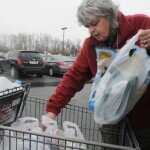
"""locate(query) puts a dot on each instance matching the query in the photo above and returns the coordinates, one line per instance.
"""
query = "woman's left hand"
(144, 36)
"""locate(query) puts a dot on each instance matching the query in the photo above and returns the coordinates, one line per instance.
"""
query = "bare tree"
(38, 42)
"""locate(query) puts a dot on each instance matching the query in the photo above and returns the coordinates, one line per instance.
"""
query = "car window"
(15, 54)
(62, 58)
(49, 58)
(43, 55)
(8, 54)
(3, 54)
(30, 55)
(12, 54)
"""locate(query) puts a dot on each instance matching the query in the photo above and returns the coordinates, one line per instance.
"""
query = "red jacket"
(85, 67)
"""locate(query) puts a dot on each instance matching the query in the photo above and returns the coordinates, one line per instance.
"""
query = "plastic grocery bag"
(25, 123)
(29, 141)
(10, 142)
(71, 130)
(48, 122)
(114, 95)
(52, 129)
(6, 84)
(104, 58)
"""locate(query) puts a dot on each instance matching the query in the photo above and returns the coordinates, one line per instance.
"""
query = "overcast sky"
(49, 16)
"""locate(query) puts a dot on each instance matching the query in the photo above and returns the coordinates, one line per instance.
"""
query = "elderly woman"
(108, 27)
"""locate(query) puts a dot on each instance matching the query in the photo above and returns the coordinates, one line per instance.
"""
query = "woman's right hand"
(49, 115)
(144, 36)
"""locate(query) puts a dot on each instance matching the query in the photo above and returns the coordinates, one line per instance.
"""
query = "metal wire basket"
(83, 117)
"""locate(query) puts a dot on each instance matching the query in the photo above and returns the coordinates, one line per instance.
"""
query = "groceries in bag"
(104, 58)
(31, 140)
(115, 93)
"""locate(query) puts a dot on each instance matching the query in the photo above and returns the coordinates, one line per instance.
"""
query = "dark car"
(57, 64)
(21, 62)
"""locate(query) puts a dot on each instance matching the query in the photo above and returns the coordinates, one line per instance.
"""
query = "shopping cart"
(21, 140)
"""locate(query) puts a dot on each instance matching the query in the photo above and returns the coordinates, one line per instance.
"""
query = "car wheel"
(51, 71)
(39, 75)
(13, 72)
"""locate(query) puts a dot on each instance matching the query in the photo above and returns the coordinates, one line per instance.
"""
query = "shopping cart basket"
(83, 117)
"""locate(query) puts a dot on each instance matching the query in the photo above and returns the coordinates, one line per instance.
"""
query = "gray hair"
(90, 8)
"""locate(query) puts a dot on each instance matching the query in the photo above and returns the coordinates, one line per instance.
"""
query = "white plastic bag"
(114, 95)
(104, 58)
(31, 142)
(54, 142)
(26, 123)
(11, 142)
(71, 130)
(6, 84)
(48, 122)
(52, 129)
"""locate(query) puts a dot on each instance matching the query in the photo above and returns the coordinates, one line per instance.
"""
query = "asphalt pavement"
(35, 81)
(40, 82)
(46, 80)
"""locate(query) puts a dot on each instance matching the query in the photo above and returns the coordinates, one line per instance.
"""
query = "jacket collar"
(125, 29)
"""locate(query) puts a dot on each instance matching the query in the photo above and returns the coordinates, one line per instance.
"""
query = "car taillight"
(43, 62)
(60, 63)
(19, 62)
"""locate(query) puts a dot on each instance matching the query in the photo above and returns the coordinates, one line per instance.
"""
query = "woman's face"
(99, 28)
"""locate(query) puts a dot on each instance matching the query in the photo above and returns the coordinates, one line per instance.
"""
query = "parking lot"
(46, 80)
(45, 86)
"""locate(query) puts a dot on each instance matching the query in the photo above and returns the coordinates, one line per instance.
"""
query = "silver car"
(57, 64)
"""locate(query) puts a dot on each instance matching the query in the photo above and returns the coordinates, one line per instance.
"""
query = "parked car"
(2, 54)
(2, 58)
(21, 62)
(57, 64)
